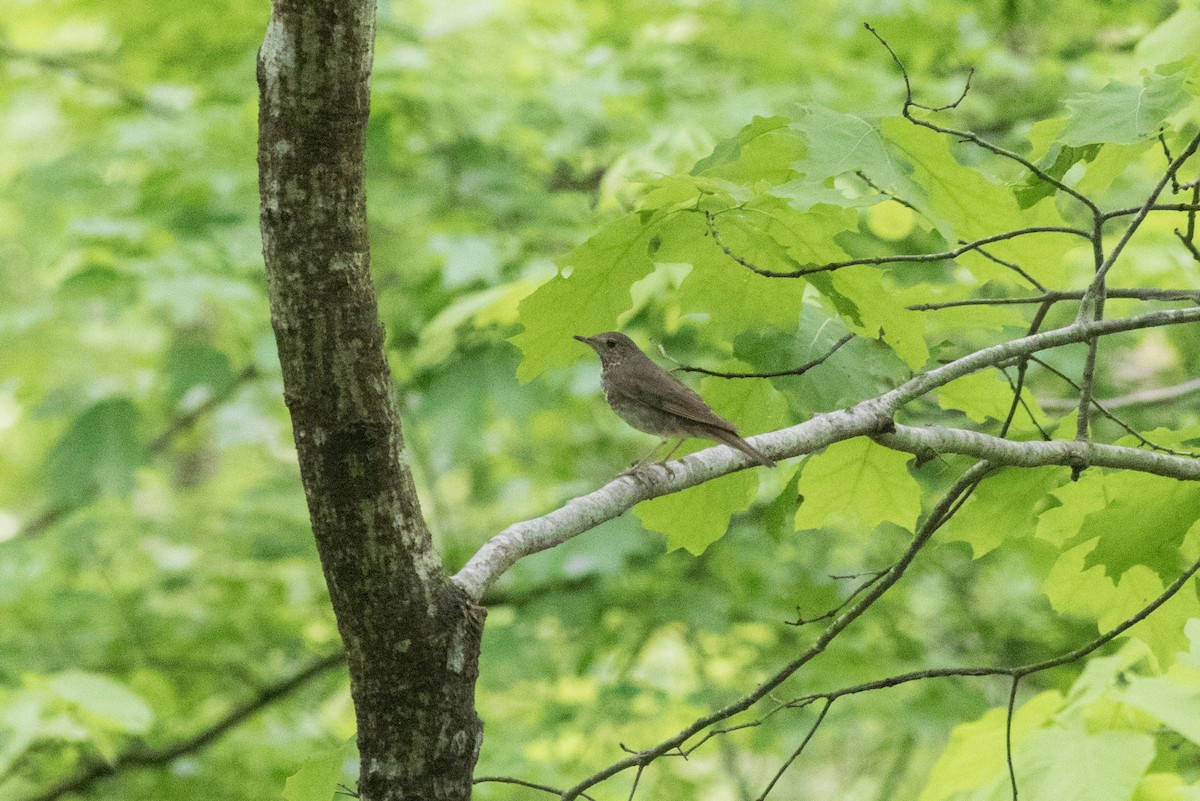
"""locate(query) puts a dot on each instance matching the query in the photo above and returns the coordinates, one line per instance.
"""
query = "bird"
(652, 400)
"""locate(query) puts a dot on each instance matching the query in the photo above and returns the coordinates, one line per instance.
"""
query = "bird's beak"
(585, 340)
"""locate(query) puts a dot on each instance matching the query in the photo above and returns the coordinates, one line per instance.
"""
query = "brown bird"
(652, 400)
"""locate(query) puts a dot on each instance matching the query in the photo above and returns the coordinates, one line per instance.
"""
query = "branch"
(1057, 296)
(1144, 397)
(545, 788)
(799, 750)
(1097, 284)
(1073, 453)
(1100, 407)
(877, 261)
(1189, 208)
(910, 104)
(174, 428)
(137, 759)
(869, 417)
(936, 518)
(801, 370)
(77, 64)
(1017, 671)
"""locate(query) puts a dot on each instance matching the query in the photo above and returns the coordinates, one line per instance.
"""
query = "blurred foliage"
(156, 567)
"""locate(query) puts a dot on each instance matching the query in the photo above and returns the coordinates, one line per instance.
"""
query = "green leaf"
(1121, 114)
(779, 516)
(1173, 39)
(320, 774)
(1126, 535)
(858, 484)
(1004, 507)
(753, 406)
(98, 453)
(100, 282)
(975, 755)
(699, 516)
(731, 297)
(965, 205)
(840, 143)
(761, 151)
(873, 310)
(1173, 699)
(104, 700)
(1055, 159)
(588, 300)
(189, 364)
(984, 395)
(21, 717)
(1059, 764)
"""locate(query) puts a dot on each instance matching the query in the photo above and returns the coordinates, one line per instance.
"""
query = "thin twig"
(799, 750)
(1008, 722)
(138, 758)
(1057, 296)
(1162, 140)
(890, 195)
(174, 428)
(1018, 394)
(1015, 268)
(636, 779)
(938, 516)
(1022, 368)
(1190, 208)
(1128, 429)
(1140, 217)
(801, 370)
(880, 261)
(802, 621)
(1083, 421)
(522, 783)
(1144, 397)
(1017, 671)
(910, 104)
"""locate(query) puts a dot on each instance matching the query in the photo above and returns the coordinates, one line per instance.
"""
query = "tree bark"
(412, 637)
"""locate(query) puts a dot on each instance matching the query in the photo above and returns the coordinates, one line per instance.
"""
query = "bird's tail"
(734, 441)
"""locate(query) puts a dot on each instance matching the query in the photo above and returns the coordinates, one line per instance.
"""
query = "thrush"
(652, 400)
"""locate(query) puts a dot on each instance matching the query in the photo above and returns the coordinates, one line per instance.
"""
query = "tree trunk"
(412, 637)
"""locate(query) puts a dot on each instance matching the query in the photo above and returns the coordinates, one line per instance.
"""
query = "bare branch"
(799, 750)
(878, 261)
(545, 788)
(909, 105)
(868, 417)
(936, 518)
(1144, 397)
(174, 428)
(1033, 453)
(137, 759)
(1056, 296)
(1018, 387)
(1008, 722)
(801, 370)
(1135, 223)
(1128, 429)
(1016, 268)
(1190, 208)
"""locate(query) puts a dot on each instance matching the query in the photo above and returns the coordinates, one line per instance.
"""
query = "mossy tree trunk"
(412, 637)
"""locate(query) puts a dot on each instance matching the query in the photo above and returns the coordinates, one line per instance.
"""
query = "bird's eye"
(612, 343)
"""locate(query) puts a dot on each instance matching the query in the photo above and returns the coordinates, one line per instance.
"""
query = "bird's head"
(612, 347)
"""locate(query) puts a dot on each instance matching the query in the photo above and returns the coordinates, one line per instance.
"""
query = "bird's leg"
(671, 453)
(633, 468)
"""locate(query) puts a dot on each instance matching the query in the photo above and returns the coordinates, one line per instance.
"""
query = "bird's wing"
(675, 398)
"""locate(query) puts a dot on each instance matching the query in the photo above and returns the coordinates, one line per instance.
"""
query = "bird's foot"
(640, 471)
(634, 471)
